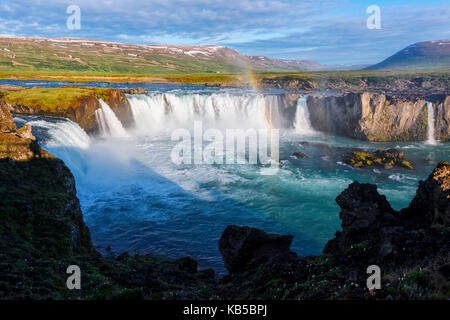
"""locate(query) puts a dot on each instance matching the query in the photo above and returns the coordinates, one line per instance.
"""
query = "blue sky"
(328, 31)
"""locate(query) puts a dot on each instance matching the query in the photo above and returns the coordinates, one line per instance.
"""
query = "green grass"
(49, 99)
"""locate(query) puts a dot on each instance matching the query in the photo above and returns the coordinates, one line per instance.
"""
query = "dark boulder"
(363, 212)
(299, 155)
(242, 247)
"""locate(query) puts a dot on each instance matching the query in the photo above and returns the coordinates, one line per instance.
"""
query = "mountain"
(264, 63)
(91, 56)
(421, 55)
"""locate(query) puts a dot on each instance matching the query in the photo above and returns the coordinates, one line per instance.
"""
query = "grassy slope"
(35, 57)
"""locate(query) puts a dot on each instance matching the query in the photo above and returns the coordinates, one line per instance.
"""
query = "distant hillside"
(422, 55)
(260, 62)
(90, 56)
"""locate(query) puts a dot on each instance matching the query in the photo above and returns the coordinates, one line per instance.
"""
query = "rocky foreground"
(42, 232)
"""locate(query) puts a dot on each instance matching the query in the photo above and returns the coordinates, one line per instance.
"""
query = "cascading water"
(159, 112)
(430, 123)
(108, 122)
(135, 199)
(302, 124)
(63, 138)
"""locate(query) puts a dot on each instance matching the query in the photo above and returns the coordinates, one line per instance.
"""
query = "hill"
(421, 55)
(31, 54)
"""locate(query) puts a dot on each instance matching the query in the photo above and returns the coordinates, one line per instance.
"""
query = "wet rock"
(299, 155)
(390, 154)
(242, 246)
(304, 143)
(385, 159)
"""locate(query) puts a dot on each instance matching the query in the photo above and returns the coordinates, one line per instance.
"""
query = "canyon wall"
(377, 117)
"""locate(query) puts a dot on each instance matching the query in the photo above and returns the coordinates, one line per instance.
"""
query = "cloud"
(329, 31)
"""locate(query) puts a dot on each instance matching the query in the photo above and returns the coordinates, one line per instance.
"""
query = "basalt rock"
(299, 155)
(383, 159)
(442, 116)
(243, 247)
(431, 205)
(396, 238)
(363, 212)
(376, 117)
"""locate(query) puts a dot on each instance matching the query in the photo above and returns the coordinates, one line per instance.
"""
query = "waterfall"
(302, 123)
(430, 120)
(108, 122)
(160, 112)
(63, 138)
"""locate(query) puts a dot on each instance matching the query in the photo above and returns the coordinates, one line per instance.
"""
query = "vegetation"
(351, 78)
(53, 99)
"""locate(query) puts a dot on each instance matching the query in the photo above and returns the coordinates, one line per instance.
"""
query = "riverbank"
(425, 82)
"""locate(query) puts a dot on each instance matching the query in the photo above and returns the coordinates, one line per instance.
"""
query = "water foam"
(108, 122)
(302, 124)
(161, 112)
(430, 123)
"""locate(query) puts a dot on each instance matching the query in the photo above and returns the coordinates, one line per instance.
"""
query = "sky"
(329, 31)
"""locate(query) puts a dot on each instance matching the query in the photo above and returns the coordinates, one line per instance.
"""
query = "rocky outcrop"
(367, 216)
(6, 121)
(411, 247)
(17, 144)
(431, 205)
(75, 103)
(134, 91)
(428, 86)
(442, 116)
(371, 116)
(84, 114)
(242, 247)
(383, 159)
(363, 212)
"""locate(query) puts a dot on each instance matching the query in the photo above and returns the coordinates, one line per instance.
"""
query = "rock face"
(243, 246)
(6, 121)
(367, 216)
(412, 248)
(363, 210)
(375, 117)
(431, 205)
(35, 169)
(84, 115)
(442, 116)
(81, 107)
